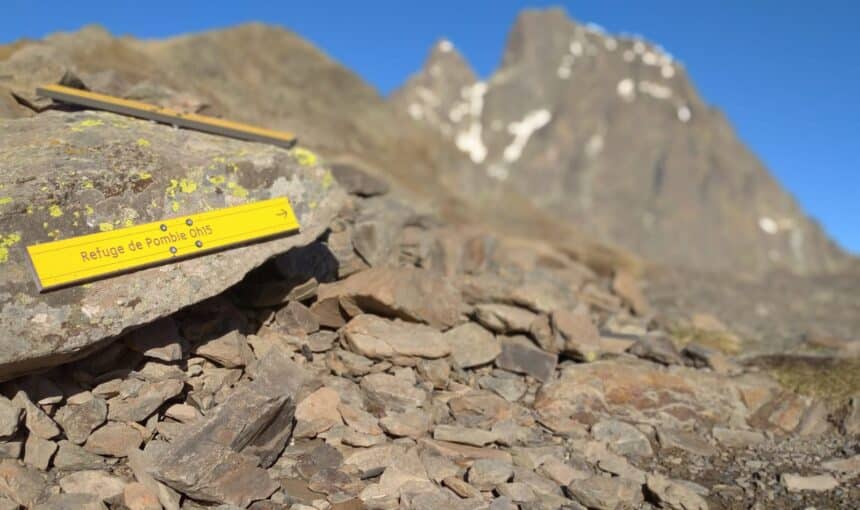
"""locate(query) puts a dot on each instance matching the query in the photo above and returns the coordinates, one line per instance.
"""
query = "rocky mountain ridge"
(608, 132)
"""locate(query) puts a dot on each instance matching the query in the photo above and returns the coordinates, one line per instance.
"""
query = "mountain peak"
(608, 131)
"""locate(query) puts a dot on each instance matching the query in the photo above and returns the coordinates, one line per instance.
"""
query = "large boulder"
(70, 174)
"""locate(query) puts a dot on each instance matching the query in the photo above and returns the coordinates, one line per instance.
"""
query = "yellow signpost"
(94, 256)
(167, 116)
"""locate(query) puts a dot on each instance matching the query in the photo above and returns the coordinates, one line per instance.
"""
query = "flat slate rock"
(521, 356)
(71, 174)
(411, 294)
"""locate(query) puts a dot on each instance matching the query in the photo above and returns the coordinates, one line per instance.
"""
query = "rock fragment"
(144, 402)
(69, 501)
(505, 319)
(412, 424)
(673, 495)
(399, 293)
(23, 485)
(318, 412)
(461, 487)
(508, 386)
(472, 346)
(209, 471)
(684, 440)
(297, 319)
(486, 474)
(10, 417)
(562, 473)
(72, 457)
(602, 493)
(436, 371)
(576, 333)
(521, 356)
(159, 340)
(849, 466)
(38, 452)
(464, 435)
(379, 338)
(701, 356)
(622, 438)
(36, 421)
(230, 350)
(657, 348)
(115, 439)
(79, 420)
(98, 483)
(627, 288)
(816, 483)
(137, 496)
(393, 391)
(737, 438)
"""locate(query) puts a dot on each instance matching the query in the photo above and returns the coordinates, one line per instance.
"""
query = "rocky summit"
(609, 132)
(437, 335)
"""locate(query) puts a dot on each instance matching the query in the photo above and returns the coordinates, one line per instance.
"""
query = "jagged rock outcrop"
(70, 174)
(608, 132)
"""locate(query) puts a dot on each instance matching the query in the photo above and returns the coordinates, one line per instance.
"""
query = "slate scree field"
(569, 285)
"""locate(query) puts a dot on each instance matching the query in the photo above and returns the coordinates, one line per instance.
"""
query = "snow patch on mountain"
(523, 130)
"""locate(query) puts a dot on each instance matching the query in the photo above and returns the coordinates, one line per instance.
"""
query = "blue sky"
(787, 73)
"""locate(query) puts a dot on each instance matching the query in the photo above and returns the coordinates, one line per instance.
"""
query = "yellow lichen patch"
(88, 210)
(29, 209)
(87, 184)
(175, 206)
(237, 190)
(128, 222)
(144, 175)
(54, 234)
(171, 190)
(219, 159)
(187, 186)
(86, 124)
(216, 179)
(327, 180)
(5, 200)
(312, 205)
(143, 142)
(305, 157)
(55, 211)
(7, 242)
(106, 226)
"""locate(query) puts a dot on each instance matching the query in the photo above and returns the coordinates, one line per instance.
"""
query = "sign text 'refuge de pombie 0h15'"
(90, 257)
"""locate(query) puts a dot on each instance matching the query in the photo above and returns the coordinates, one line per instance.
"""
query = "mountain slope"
(609, 133)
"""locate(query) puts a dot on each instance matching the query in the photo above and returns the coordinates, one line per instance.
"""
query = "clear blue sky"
(787, 73)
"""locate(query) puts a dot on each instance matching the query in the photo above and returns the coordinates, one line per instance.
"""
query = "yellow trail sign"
(94, 256)
(167, 116)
